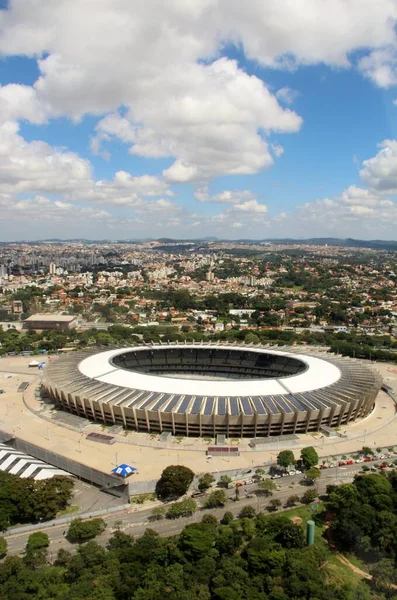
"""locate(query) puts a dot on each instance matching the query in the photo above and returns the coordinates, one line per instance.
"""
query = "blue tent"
(123, 470)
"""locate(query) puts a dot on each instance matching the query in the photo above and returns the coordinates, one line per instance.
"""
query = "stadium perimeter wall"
(107, 482)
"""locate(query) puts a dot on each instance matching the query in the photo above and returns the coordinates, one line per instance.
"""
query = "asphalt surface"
(134, 521)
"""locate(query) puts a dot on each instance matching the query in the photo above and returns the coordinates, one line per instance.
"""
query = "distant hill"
(348, 242)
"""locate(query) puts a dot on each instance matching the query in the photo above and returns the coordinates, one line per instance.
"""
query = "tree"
(158, 513)
(309, 457)
(205, 482)
(216, 499)
(36, 550)
(227, 518)
(81, 531)
(174, 482)
(292, 500)
(3, 547)
(309, 496)
(225, 481)
(267, 486)
(120, 541)
(247, 512)
(37, 540)
(313, 474)
(384, 575)
(285, 458)
(184, 508)
(210, 520)
(366, 451)
(274, 504)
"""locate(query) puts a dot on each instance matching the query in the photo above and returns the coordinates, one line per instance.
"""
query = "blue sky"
(198, 118)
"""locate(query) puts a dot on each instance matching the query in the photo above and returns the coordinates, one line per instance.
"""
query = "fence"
(66, 520)
(107, 482)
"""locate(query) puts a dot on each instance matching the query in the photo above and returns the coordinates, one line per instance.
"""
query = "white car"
(298, 472)
(292, 472)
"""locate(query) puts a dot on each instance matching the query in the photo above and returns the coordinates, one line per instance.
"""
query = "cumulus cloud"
(380, 172)
(209, 120)
(381, 66)
(356, 211)
(192, 105)
(225, 197)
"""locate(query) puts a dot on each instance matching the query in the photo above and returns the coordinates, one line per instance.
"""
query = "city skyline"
(195, 119)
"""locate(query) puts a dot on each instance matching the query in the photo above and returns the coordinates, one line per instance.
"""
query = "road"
(135, 521)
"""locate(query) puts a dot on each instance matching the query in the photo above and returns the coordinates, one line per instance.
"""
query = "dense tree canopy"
(26, 500)
(174, 482)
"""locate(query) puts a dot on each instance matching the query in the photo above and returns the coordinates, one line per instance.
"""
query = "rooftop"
(50, 318)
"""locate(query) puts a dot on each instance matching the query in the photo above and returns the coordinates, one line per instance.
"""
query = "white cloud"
(380, 172)
(30, 167)
(286, 95)
(208, 119)
(207, 115)
(21, 102)
(225, 197)
(355, 212)
(277, 150)
(381, 66)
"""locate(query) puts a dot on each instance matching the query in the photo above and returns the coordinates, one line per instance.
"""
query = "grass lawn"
(69, 509)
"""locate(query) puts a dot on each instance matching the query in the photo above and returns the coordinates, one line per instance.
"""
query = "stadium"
(197, 389)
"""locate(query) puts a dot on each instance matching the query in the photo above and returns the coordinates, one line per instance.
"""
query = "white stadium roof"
(319, 374)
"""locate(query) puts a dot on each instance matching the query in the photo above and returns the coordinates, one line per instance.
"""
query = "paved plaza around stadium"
(26, 417)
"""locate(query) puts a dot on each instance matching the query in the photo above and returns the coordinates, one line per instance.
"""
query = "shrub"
(292, 500)
(37, 540)
(227, 518)
(184, 508)
(205, 482)
(247, 512)
(216, 499)
(158, 513)
(309, 496)
(81, 531)
(274, 504)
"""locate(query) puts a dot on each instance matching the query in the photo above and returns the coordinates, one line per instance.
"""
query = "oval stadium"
(198, 389)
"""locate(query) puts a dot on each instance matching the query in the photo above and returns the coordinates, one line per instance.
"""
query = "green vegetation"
(174, 482)
(309, 457)
(81, 530)
(247, 512)
(3, 547)
(309, 496)
(256, 557)
(313, 474)
(158, 513)
(216, 499)
(29, 501)
(184, 508)
(205, 482)
(224, 481)
(285, 458)
(142, 498)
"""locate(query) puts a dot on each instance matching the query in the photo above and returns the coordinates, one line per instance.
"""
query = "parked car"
(341, 463)
(367, 459)
(350, 462)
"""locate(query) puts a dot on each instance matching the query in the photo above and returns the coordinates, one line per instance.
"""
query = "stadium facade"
(209, 389)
